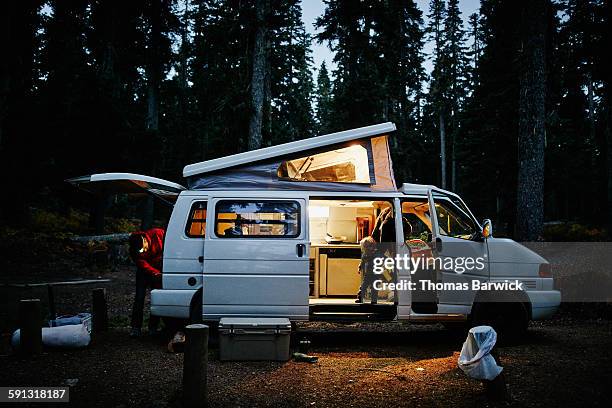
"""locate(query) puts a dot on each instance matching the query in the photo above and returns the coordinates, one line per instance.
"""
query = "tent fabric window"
(257, 219)
(350, 164)
(196, 227)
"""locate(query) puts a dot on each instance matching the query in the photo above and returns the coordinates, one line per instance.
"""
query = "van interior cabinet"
(337, 272)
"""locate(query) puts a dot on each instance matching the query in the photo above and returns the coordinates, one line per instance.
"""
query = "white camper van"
(275, 232)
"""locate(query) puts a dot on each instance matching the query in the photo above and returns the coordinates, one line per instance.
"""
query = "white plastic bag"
(475, 359)
(72, 336)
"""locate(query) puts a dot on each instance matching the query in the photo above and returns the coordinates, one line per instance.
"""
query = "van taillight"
(545, 271)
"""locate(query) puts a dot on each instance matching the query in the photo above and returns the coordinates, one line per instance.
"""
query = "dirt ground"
(562, 362)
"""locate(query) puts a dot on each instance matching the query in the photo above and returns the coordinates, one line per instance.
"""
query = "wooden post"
(496, 389)
(30, 328)
(195, 364)
(99, 311)
(51, 299)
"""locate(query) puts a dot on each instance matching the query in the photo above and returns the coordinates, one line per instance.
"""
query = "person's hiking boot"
(135, 332)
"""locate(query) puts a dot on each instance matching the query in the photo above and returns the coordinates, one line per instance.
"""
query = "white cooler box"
(254, 338)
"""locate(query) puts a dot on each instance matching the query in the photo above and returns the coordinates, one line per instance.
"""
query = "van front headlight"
(545, 271)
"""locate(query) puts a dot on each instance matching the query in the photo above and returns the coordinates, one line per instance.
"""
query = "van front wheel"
(510, 320)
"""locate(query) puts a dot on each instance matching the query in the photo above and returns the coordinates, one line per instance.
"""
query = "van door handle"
(438, 244)
(200, 259)
(300, 248)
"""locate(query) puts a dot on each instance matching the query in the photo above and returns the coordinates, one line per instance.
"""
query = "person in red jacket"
(146, 250)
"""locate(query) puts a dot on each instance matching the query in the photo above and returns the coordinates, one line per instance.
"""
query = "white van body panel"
(506, 251)
(171, 302)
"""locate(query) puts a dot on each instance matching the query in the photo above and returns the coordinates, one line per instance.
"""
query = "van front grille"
(530, 284)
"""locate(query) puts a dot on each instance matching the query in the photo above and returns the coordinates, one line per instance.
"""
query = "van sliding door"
(256, 258)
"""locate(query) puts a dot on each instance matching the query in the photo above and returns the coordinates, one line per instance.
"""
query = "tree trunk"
(19, 24)
(154, 68)
(453, 165)
(442, 151)
(259, 76)
(184, 52)
(530, 191)
(267, 110)
(608, 135)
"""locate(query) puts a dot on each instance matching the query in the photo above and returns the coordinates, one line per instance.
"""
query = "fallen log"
(62, 283)
(111, 238)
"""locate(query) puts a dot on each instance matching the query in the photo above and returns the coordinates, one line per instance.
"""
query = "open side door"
(435, 239)
(128, 183)
(456, 236)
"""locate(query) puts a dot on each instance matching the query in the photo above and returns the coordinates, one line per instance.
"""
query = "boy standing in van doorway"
(369, 250)
(146, 250)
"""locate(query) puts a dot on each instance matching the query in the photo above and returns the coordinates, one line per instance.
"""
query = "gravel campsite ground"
(561, 362)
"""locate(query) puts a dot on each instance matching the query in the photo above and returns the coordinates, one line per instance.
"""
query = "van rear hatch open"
(128, 183)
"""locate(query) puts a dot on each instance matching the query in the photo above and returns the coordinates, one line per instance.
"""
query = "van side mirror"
(487, 228)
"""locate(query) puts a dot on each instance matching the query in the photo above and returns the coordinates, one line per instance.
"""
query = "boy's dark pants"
(144, 281)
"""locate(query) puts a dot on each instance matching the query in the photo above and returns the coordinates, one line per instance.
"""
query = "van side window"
(453, 222)
(257, 219)
(196, 224)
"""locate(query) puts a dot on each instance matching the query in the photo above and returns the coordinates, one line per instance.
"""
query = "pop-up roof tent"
(352, 160)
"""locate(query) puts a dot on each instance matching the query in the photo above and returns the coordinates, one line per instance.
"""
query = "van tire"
(510, 320)
(195, 308)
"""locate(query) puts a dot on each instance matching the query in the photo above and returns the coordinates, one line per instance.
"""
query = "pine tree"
(221, 75)
(68, 69)
(20, 23)
(491, 118)
(346, 27)
(160, 24)
(324, 101)
(398, 42)
(179, 131)
(379, 71)
(291, 84)
(438, 84)
(475, 53)
(456, 72)
(118, 48)
(604, 75)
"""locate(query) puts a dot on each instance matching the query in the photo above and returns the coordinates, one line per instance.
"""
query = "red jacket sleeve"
(151, 270)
